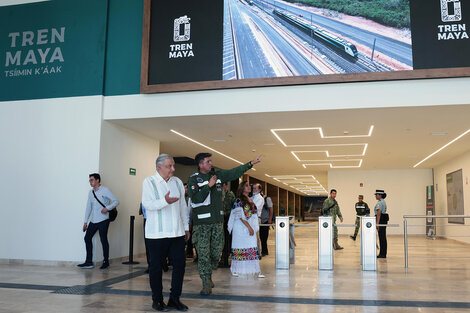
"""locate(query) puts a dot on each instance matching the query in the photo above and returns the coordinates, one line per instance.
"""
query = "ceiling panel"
(400, 138)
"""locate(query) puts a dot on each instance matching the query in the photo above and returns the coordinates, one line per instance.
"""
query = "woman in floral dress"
(243, 224)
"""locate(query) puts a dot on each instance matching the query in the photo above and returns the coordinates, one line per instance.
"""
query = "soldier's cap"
(361, 197)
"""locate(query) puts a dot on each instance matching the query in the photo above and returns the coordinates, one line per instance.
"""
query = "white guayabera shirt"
(164, 220)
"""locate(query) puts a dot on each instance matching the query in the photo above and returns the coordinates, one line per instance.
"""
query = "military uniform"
(331, 206)
(228, 198)
(361, 209)
(208, 218)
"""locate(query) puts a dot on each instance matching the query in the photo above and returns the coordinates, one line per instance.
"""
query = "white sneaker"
(234, 274)
(261, 276)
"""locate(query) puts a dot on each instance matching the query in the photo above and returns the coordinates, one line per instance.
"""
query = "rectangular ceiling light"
(327, 152)
(320, 130)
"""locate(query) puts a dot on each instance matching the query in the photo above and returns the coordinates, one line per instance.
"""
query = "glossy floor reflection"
(437, 280)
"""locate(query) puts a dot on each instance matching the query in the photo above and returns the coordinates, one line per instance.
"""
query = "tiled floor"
(437, 280)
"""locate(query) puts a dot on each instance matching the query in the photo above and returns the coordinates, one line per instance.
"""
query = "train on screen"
(318, 33)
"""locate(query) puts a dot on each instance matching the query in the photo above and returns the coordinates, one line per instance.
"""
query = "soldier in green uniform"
(228, 198)
(361, 209)
(205, 191)
(331, 208)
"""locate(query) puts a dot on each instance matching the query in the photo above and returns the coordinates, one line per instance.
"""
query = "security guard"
(382, 218)
(205, 191)
(361, 209)
(331, 208)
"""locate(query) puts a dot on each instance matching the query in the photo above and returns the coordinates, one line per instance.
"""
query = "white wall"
(122, 149)
(48, 149)
(406, 194)
(423, 92)
(444, 228)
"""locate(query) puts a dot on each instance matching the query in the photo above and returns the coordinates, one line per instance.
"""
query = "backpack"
(112, 213)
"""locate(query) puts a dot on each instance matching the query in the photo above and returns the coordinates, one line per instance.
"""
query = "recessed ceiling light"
(438, 133)
(327, 152)
(327, 163)
(442, 148)
(320, 130)
(269, 144)
(218, 140)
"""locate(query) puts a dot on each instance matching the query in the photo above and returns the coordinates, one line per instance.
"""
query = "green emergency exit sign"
(132, 171)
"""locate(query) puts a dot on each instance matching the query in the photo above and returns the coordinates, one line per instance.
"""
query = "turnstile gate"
(325, 243)
(368, 243)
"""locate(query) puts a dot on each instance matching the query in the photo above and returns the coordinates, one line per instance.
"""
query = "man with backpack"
(100, 201)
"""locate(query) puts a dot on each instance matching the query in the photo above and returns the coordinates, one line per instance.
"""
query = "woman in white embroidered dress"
(243, 224)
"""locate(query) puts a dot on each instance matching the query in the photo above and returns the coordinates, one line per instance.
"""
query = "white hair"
(161, 159)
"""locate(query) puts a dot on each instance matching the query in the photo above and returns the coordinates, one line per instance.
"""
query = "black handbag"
(112, 213)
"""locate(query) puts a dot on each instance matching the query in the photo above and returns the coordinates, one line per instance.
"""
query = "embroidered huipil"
(164, 220)
(245, 255)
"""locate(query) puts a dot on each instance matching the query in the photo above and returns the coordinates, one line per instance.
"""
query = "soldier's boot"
(354, 236)
(210, 282)
(336, 246)
(206, 289)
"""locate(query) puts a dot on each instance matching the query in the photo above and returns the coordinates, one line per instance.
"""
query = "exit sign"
(132, 171)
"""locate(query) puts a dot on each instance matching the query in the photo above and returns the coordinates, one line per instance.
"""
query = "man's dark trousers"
(91, 230)
(160, 249)
(263, 236)
(227, 244)
(147, 253)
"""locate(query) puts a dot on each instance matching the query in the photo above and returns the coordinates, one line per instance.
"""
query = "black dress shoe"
(177, 304)
(381, 257)
(104, 265)
(86, 265)
(160, 306)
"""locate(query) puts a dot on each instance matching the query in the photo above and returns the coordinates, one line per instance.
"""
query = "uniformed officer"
(205, 191)
(361, 209)
(331, 208)
(381, 215)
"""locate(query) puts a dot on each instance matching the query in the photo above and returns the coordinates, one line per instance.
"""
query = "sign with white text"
(52, 49)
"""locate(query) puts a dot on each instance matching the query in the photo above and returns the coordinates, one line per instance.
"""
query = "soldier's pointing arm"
(234, 173)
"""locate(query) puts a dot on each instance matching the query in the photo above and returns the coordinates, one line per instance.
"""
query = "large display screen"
(210, 44)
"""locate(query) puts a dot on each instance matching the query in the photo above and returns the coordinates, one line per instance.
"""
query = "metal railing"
(405, 228)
